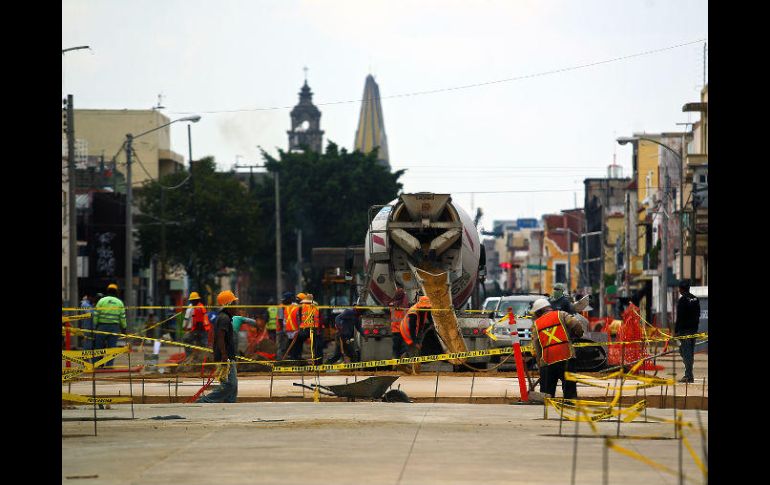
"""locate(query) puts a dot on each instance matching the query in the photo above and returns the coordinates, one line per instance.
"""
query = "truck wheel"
(395, 395)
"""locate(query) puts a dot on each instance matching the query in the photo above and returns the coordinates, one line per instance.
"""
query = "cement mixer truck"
(426, 244)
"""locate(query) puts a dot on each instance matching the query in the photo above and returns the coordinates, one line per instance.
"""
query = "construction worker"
(310, 328)
(554, 351)
(109, 316)
(346, 324)
(86, 343)
(560, 300)
(398, 307)
(414, 323)
(687, 319)
(196, 323)
(272, 315)
(224, 351)
(280, 316)
(238, 320)
(291, 328)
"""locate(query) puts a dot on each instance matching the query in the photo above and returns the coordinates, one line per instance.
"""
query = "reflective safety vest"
(396, 315)
(421, 318)
(290, 313)
(272, 317)
(309, 316)
(553, 338)
(200, 320)
(110, 311)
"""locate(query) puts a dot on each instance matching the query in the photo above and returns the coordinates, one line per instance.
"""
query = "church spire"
(371, 127)
(305, 122)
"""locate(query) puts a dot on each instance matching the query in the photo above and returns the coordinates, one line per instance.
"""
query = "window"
(560, 273)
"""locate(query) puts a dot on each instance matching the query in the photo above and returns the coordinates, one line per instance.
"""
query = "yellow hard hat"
(301, 296)
(225, 298)
(194, 296)
(112, 286)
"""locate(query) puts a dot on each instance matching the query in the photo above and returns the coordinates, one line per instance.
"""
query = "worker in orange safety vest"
(291, 328)
(555, 330)
(398, 307)
(197, 323)
(413, 325)
(310, 328)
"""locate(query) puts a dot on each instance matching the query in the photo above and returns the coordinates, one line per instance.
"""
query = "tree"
(212, 221)
(326, 195)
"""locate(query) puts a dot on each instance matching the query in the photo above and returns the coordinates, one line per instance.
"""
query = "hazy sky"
(231, 61)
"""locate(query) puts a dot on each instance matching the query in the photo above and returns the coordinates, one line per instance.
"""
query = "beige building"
(104, 131)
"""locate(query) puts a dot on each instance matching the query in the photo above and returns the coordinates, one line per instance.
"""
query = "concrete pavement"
(354, 443)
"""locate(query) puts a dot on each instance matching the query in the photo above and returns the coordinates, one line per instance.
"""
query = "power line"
(456, 88)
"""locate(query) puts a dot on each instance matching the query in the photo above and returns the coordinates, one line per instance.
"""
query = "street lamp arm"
(623, 141)
(75, 48)
(193, 119)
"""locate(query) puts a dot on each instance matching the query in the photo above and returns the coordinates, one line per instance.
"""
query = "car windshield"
(339, 301)
(490, 305)
(519, 307)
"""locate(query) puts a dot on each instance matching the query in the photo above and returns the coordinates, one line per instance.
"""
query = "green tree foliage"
(212, 222)
(327, 196)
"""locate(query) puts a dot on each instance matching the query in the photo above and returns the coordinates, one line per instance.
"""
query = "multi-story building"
(101, 172)
(650, 211)
(561, 249)
(604, 213)
(696, 196)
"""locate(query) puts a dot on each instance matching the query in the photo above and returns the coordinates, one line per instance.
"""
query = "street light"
(129, 269)
(663, 291)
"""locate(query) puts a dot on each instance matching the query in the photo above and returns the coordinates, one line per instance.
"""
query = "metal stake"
(473, 379)
(169, 391)
(435, 393)
(606, 462)
(703, 393)
(686, 386)
(176, 389)
(677, 426)
(130, 382)
(271, 383)
(561, 415)
(142, 389)
(575, 448)
(303, 386)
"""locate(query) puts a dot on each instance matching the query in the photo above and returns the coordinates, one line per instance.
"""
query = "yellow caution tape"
(636, 456)
(76, 317)
(82, 358)
(65, 396)
(71, 373)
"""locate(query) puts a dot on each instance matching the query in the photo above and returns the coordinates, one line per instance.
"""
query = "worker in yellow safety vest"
(398, 307)
(416, 320)
(555, 330)
(310, 328)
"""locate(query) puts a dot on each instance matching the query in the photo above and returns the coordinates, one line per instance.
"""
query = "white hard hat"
(539, 304)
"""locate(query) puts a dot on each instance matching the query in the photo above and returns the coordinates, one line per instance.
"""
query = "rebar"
(473, 379)
(435, 393)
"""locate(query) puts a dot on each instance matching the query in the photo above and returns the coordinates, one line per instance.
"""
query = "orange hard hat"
(301, 296)
(424, 301)
(225, 298)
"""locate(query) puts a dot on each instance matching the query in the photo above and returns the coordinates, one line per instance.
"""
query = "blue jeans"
(102, 341)
(226, 391)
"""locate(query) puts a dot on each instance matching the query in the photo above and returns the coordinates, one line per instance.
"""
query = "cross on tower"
(305, 69)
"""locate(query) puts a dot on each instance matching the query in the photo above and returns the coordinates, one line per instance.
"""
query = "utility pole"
(72, 207)
(129, 266)
(663, 290)
(278, 269)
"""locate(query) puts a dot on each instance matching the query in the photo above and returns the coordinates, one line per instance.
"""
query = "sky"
(510, 124)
